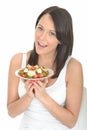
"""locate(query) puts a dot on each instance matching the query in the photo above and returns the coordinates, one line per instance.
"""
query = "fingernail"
(32, 84)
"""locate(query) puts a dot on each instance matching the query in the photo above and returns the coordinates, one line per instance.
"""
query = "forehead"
(46, 21)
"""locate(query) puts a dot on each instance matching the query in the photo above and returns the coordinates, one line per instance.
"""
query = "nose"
(43, 36)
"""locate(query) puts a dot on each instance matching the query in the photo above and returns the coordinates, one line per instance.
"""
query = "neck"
(46, 61)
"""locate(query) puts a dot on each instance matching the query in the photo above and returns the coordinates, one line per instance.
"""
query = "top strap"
(24, 60)
(67, 61)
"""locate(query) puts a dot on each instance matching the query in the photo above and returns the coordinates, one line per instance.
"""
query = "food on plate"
(35, 71)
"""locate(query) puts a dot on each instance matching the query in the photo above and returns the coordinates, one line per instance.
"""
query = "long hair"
(64, 32)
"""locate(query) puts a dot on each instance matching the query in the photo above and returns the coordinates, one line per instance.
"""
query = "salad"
(35, 71)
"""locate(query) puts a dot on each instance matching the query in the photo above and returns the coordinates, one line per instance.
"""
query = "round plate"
(51, 72)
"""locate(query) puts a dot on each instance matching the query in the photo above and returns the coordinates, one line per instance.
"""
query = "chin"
(40, 52)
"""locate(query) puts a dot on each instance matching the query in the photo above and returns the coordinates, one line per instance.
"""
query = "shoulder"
(16, 59)
(16, 56)
(74, 68)
(74, 64)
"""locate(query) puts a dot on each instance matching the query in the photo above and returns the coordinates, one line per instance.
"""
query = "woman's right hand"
(29, 88)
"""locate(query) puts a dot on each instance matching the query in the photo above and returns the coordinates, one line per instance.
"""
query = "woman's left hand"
(39, 88)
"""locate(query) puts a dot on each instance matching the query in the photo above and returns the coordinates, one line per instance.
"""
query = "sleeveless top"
(36, 116)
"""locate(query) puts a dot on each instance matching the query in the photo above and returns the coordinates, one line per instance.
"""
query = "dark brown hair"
(64, 32)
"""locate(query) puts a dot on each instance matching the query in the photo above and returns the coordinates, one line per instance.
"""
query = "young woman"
(53, 103)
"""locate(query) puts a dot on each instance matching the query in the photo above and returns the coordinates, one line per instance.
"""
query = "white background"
(17, 21)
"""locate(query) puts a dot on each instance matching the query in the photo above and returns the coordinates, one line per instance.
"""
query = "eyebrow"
(43, 27)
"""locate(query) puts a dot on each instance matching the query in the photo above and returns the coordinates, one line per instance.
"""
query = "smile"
(41, 45)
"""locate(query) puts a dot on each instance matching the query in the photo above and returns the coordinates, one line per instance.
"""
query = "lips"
(40, 44)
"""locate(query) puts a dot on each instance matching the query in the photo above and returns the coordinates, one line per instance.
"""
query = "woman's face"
(45, 36)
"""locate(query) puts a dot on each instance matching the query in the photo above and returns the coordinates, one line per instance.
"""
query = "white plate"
(51, 72)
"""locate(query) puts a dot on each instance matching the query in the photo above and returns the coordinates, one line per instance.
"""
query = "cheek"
(54, 42)
(53, 45)
(36, 36)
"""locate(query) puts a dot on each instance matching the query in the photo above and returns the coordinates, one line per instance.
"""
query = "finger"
(42, 83)
(35, 84)
(28, 86)
(38, 82)
(36, 87)
(46, 81)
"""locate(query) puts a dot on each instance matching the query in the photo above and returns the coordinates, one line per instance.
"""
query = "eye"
(39, 28)
(52, 33)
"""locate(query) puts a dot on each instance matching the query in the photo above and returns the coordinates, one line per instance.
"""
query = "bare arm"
(74, 82)
(16, 105)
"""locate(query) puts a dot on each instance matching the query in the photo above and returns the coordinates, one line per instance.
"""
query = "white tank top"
(36, 116)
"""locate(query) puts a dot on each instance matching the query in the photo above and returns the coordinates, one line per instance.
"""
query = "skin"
(46, 43)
